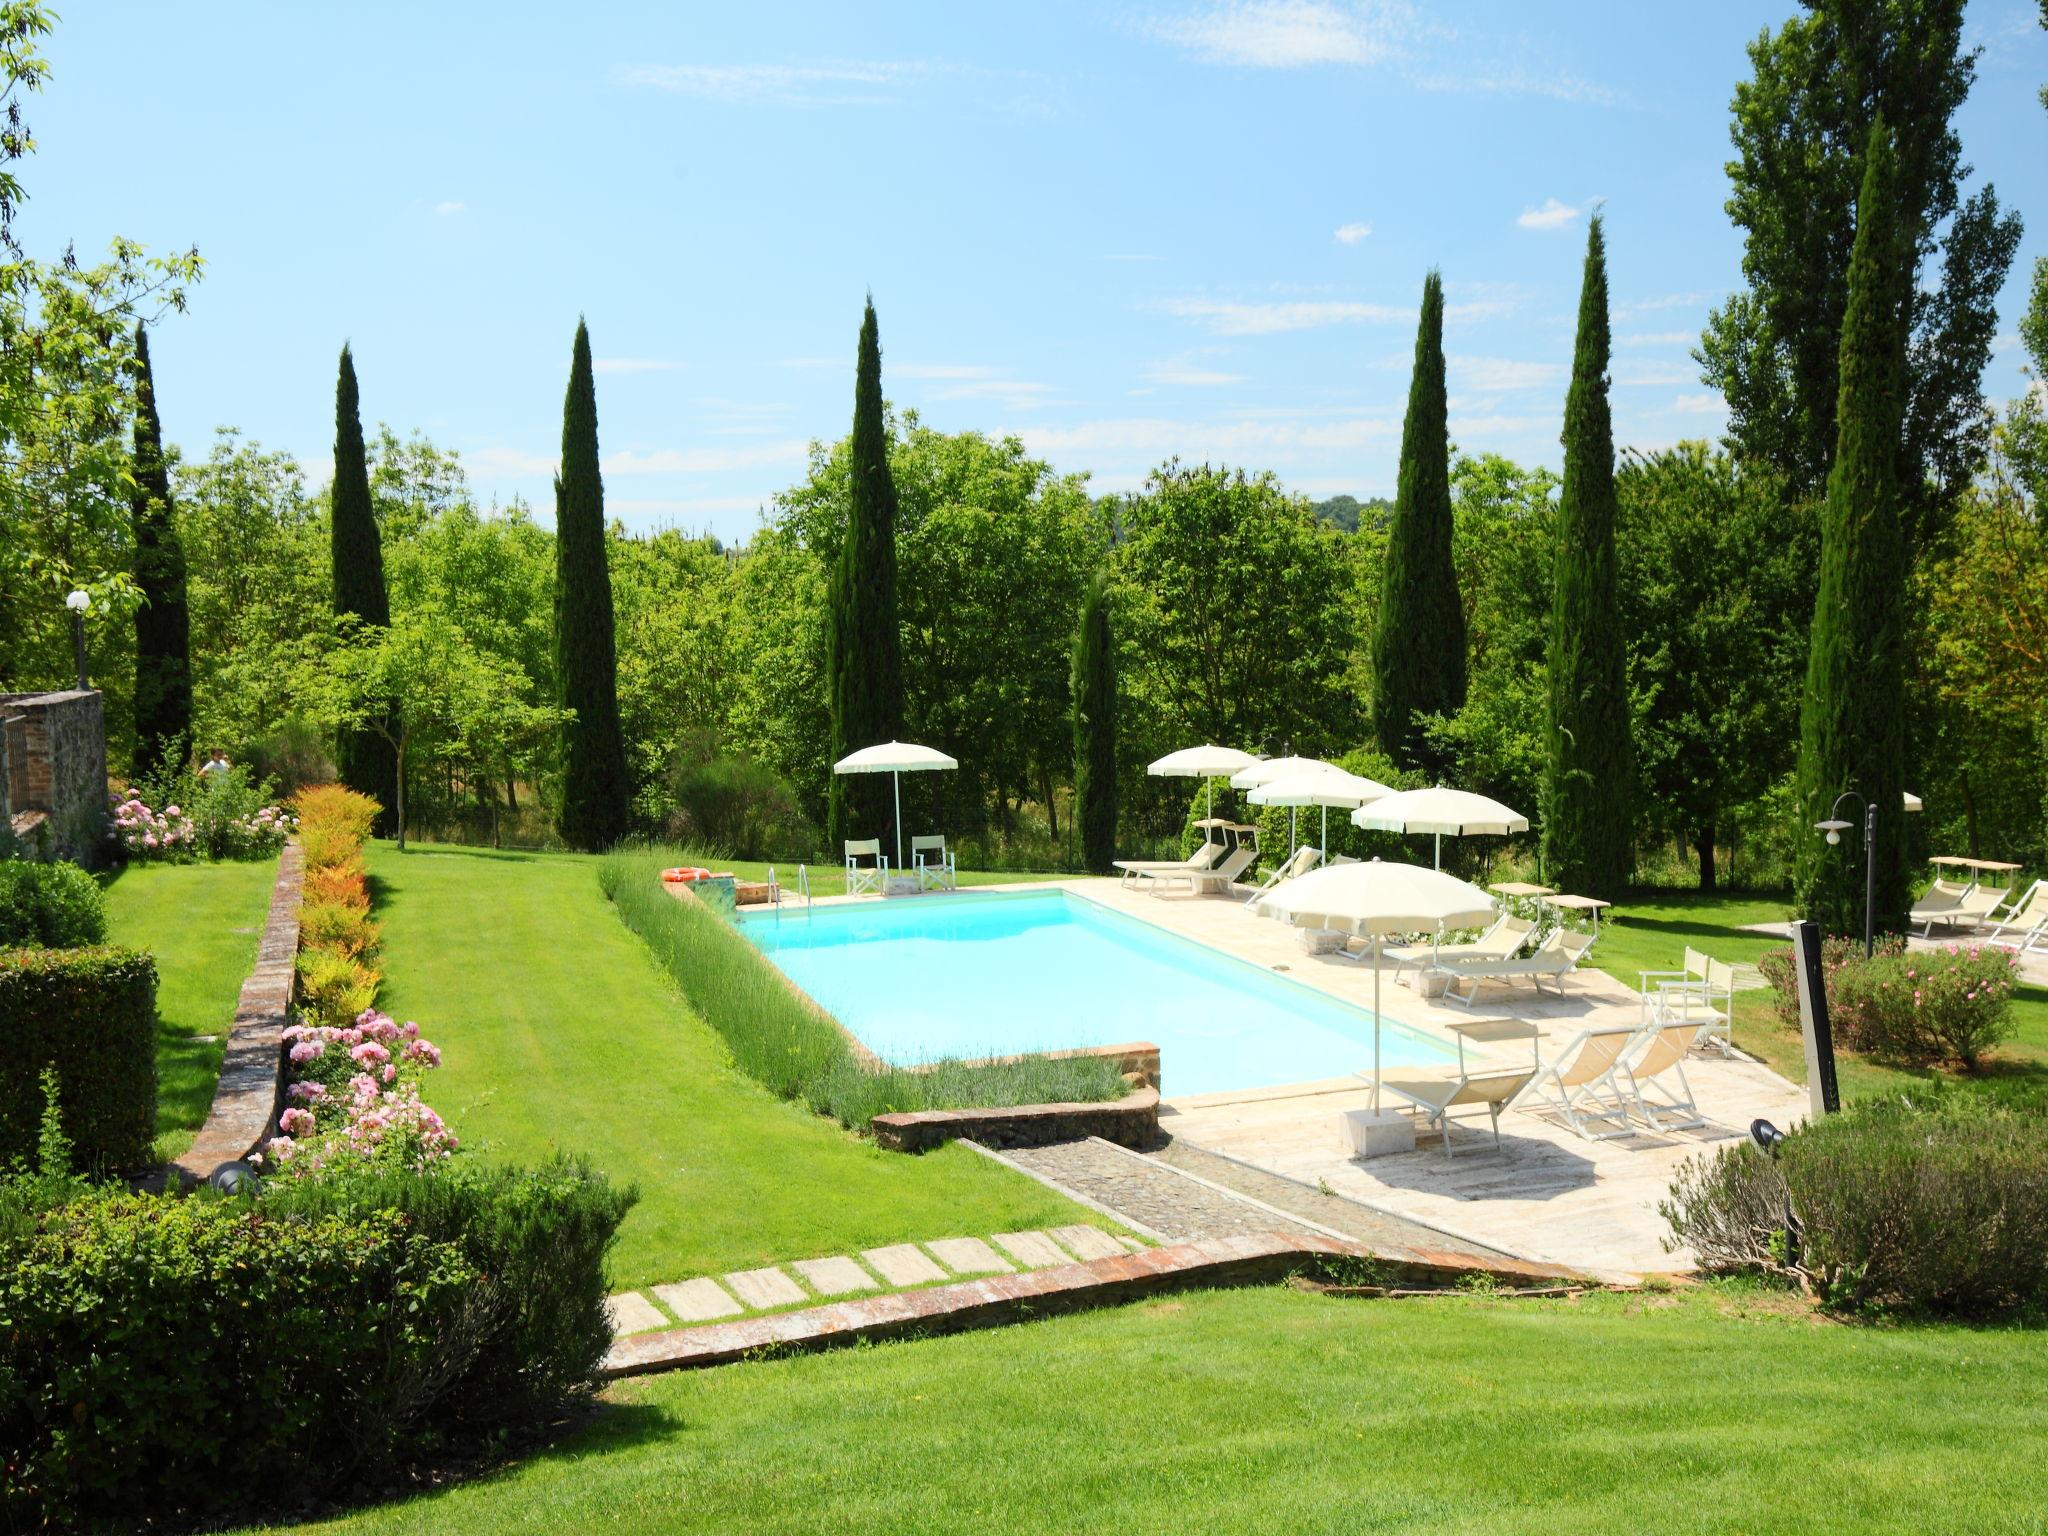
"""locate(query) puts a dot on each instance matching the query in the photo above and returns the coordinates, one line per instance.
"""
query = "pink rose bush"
(143, 833)
(1950, 1003)
(355, 1099)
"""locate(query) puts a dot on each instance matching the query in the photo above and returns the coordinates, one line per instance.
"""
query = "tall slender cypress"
(865, 664)
(1418, 648)
(1852, 716)
(595, 789)
(366, 761)
(163, 626)
(1589, 772)
(1094, 705)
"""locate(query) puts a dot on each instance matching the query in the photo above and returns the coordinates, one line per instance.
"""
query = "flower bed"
(355, 1099)
(1913, 1007)
(220, 816)
(338, 939)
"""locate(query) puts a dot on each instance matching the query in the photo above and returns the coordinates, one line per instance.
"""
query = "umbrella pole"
(1326, 833)
(1291, 813)
(1439, 850)
(1375, 1024)
(897, 780)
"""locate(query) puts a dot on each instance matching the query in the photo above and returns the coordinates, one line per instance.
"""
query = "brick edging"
(1131, 1121)
(248, 1096)
(1257, 1259)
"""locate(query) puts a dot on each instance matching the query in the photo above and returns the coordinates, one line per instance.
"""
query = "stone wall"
(56, 772)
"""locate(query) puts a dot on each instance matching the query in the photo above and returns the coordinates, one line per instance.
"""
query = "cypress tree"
(865, 664)
(1418, 648)
(1589, 769)
(163, 627)
(595, 788)
(1094, 706)
(1852, 716)
(366, 761)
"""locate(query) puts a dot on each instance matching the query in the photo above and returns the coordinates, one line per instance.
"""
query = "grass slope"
(559, 1030)
(201, 921)
(1261, 1411)
(1651, 932)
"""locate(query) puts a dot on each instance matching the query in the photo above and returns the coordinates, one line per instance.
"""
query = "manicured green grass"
(830, 879)
(201, 922)
(1270, 1410)
(1651, 932)
(558, 1030)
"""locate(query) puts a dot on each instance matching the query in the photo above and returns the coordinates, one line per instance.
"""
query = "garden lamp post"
(1834, 829)
(78, 602)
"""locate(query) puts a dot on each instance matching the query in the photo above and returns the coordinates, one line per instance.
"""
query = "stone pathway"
(899, 1266)
(1148, 1194)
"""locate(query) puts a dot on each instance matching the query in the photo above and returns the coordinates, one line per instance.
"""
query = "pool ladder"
(803, 886)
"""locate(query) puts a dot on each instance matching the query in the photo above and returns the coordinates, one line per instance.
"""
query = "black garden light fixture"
(1834, 828)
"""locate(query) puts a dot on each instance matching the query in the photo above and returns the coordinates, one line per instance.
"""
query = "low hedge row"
(57, 905)
(338, 939)
(201, 1358)
(89, 1013)
(1937, 1206)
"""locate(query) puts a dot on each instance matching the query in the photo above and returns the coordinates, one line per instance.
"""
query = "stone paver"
(834, 1276)
(903, 1264)
(764, 1288)
(1089, 1242)
(1032, 1250)
(1131, 1245)
(698, 1301)
(1153, 1198)
(631, 1312)
(969, 1256)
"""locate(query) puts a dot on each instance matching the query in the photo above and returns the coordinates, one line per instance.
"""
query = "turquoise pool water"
(990, 975)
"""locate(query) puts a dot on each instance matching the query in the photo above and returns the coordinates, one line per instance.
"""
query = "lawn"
(1651, 932)
(1270, 1410)
(201, 921)
(559, 1031)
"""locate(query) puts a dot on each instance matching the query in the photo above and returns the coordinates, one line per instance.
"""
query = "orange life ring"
(688, 875)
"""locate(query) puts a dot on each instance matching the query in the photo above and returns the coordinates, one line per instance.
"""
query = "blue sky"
(1121, 232)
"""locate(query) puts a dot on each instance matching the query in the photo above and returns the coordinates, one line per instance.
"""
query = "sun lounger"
(1977, 905)
(1219, 880)
(1436, 1094)
(1556, 958)
(1500, 942)
(1942, 897)
(873, 876)
(2025, 924)
(1300, 863)
(1580, 1081)
(1201, 858)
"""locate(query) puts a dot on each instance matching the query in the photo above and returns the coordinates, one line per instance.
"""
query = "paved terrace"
(1546, 1194)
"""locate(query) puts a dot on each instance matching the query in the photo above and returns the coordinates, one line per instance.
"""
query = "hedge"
(56, 904)
(91, 1014)
(208, 1358)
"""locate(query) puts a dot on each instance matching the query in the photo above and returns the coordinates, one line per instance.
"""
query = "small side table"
(1492, 1032)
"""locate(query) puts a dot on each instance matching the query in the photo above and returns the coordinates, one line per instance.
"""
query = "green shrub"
(798, 1053)
(1948, 1004)
(1940, 1207)
(334, 987)
(57, 905)
(347, 930)
(179, 1358)
(90, 1014)
(739, 806)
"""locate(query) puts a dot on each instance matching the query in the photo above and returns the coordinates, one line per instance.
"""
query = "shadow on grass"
(187, 1067)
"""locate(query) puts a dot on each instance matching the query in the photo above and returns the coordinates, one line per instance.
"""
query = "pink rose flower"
(308, 1050)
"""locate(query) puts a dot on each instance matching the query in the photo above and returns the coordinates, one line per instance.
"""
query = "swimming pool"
(998, 974)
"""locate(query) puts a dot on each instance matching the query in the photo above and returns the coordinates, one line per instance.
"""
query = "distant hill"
(1343, 512)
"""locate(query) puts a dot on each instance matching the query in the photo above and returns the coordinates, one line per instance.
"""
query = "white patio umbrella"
(896, 758)
(1203, 762)
(1913, 801)
(1325, 787)
(1373, 900)
(1452, 812)
(1267, 769)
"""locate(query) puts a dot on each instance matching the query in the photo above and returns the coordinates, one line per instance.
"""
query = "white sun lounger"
(1500, 942)
(1664, 1051)
(1300, 863)
(1977, 905)
(1436, 1094)
(1201, 858)
(1580, 1081)
(1941, 898)
(1554, 959)
(2025, 924)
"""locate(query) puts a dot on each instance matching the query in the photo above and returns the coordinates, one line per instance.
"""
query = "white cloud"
(941, 371)
(1493, 375)
(1351, 234)
(1705, 403)
(1654, 375)
(839, 84)
(633, 365)
(1270, 319)
(1552, 215)
(1189, 376)
(1288, 34)
(1632, 307)
(508, 463)
(1508, 79)
(449, 207)
(698, 461)
(1657, 339)
(973, 381)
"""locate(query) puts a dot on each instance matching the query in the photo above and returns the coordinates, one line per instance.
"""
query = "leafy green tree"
(1418, 648)
(1716, 595)
(864, 666)
(1589, 780)
(596, 790)
(363, 755)
(677, 635)
(1852, 718)
(1093, 691)
(462, 706)
(1800, 126)
(163, 630)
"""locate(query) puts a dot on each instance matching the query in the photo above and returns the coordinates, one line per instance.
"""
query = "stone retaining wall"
(53, 758)
(1131, 1121)
(248, 1097)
